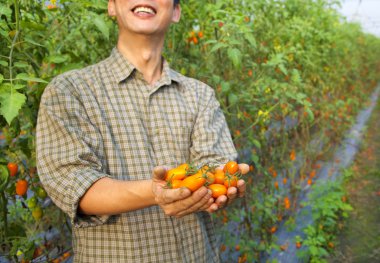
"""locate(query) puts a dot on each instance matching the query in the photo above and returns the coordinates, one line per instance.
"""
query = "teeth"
(144, 9)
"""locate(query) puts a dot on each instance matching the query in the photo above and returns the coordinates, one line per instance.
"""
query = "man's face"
(149, 17)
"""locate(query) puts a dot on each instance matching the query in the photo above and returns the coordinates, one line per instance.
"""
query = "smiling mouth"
(144, 10)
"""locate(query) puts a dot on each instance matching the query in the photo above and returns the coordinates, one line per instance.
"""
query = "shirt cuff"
(82, 181)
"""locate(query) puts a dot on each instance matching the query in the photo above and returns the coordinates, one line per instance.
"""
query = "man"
(102, 131)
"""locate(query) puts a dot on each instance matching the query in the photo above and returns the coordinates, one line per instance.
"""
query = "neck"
(144, 52)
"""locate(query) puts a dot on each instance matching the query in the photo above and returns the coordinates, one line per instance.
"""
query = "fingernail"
(203, 192)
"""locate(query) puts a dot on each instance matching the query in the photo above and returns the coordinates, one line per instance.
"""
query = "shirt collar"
(122, 68)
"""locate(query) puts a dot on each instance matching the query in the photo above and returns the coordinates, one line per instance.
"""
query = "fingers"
(199, 200)
(167, 196)
(241, 186)
(232, 194)
(235, 192)
(244, 168)
(180, 202)
(212, 208)
(159, 173)
(221, 201)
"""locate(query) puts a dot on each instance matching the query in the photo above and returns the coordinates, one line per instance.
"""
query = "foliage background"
(284, 72)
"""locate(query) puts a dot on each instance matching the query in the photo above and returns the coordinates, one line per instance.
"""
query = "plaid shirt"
(106, 121)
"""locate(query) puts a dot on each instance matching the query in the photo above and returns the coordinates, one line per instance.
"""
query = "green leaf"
(313, 250)
(296, 78)
(235, 56)
(225, 86)
(1, 78)
(256, 143)
(11, 102)
(255, 158)
(31, 41)
(3, 63)
(26, 77)
(218, 46)
(102, 26)
(4, 177)
(232, 98)
(101, 5)
(310, 114)
(283, 69)
(33, 25)
(20, 65)
(250, 38)
(18, 86)
(57, 59)
(72, 66)
(276, 60)
(5, 10)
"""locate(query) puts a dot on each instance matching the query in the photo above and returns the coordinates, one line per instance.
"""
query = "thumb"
(159, 173)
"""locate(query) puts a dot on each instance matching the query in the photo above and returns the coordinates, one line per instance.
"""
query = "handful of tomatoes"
(214, 178)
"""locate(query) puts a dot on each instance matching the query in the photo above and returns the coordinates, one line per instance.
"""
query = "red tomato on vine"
(12, 168)
(21, 187)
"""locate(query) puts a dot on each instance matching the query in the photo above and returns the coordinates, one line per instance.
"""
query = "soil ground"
(359, 240)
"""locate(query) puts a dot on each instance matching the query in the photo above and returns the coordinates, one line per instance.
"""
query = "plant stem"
(17, 17)
(5, 211)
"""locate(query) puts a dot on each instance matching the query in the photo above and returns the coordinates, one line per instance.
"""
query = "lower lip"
(143, 15)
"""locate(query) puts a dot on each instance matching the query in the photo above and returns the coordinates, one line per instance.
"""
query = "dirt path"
(360, 238)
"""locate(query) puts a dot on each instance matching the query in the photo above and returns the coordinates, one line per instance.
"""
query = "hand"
(234, 192)
(179, 202)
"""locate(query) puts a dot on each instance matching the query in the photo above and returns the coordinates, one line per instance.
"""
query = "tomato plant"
(283, 71)
(38, 42)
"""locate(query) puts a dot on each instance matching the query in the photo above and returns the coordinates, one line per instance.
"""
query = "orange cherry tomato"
(12, 168)
(204, 169)
(231, 167)
(177, 173)
(21, 187)
(219, 177)
(217, 190)
(185, 166)
(194, 182)
(210, 177)
(231, 181)
(175, 184)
